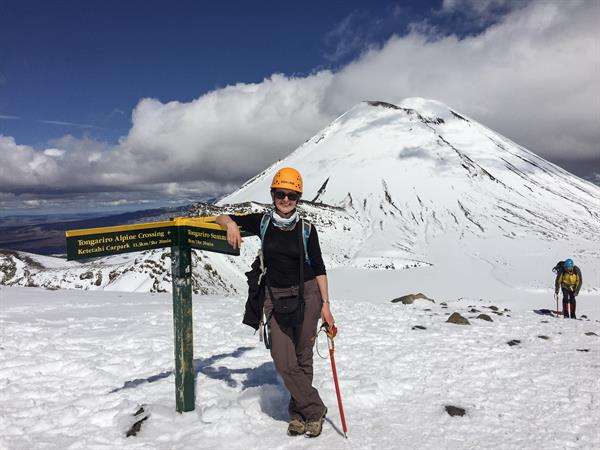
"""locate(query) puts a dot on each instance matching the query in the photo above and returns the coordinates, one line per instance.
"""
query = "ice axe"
(558, 311)
(331, 332)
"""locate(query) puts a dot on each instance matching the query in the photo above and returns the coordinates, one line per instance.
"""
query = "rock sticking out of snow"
(455, 410)
(485, 317)
(457, 319)
(141, 415)
(513, 342)
(410, 298)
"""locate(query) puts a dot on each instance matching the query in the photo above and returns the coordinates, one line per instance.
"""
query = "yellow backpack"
(569, 279)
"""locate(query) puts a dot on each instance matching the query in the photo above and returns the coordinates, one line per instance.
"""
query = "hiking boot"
(315, 426)
(296, 427)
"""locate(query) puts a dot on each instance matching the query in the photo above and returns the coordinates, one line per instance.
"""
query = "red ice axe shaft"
(330, 335)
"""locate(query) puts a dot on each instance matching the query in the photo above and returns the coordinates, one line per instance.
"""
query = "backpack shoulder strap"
(306, 229)
(264, 224)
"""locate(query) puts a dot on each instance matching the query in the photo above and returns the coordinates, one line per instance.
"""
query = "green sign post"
(181, 234)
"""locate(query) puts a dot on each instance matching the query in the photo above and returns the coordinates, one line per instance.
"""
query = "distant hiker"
(296, 294)
(568, 278)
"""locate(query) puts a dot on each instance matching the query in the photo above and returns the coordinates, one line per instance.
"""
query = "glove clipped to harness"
(264, 333)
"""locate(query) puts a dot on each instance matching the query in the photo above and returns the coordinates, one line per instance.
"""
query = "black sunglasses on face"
(292, 196)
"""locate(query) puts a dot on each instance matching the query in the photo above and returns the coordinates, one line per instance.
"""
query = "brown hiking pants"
(292, 351)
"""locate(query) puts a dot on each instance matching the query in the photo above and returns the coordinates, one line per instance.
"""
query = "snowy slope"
(148, 271)
(427, 185)
(424, 164)
(394, 187)
(75, 366)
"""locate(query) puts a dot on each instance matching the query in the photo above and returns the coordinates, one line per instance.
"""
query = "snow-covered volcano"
(396, 187)
(429, 169)
(429, 185)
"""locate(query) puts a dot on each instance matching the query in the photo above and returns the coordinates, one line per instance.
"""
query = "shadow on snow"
(273, 401)
(255, 376)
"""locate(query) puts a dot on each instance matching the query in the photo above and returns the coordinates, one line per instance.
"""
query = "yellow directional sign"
(199, 233)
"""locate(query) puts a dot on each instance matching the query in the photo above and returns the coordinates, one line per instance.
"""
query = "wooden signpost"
(181, 234)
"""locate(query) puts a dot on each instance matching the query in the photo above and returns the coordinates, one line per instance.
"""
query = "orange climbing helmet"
(287, 178)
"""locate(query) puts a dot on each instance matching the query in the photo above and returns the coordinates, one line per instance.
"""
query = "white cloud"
(478, 6)
(22, 166)
(54, 152)
(34, 203)
(226, 135)
(533, 76)
(478, 13)
(68, 124)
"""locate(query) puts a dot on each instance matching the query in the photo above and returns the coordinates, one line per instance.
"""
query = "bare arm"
(324, 289)
(233, 232)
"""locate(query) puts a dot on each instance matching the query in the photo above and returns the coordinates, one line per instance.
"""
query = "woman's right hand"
(233, 235)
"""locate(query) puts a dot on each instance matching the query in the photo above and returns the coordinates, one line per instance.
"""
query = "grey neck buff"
(284, 223)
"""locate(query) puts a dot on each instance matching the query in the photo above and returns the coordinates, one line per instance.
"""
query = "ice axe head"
(330, 331)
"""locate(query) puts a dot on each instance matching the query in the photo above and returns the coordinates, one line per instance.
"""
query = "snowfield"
(76, 365)
(407, 199)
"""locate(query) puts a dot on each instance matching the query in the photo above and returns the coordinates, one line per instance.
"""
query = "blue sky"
(89, 63)
(89, 91)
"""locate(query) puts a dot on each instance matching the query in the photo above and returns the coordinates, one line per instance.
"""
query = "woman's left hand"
(326, 315)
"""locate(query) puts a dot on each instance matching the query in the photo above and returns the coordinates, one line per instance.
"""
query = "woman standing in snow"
(296, 294)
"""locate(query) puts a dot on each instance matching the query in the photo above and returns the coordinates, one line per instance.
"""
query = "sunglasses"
(292, 196)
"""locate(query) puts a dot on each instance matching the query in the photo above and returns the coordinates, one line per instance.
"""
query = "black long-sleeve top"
(282, 251)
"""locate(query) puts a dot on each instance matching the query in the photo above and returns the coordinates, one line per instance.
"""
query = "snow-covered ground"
(76, 365)
(440, 205)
